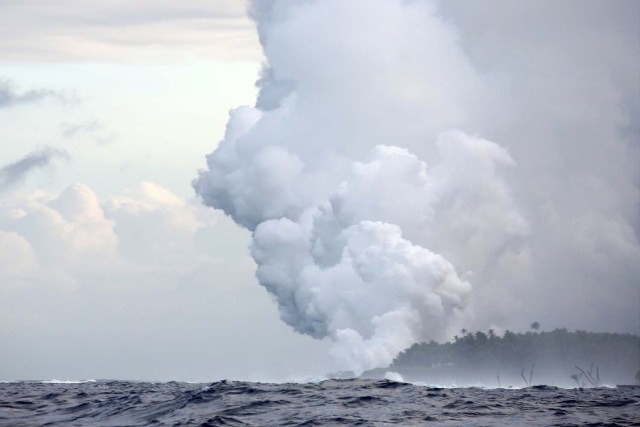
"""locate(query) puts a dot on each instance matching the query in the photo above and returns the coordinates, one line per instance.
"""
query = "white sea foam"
(54, 381)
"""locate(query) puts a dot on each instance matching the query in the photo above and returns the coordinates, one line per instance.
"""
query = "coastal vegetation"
(558, 357)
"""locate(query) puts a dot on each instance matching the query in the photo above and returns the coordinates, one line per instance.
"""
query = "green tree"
(535, 326)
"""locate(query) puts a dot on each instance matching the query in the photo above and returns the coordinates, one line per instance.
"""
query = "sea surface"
(328, 403)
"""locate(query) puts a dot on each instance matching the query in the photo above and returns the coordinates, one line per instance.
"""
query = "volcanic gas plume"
(381, 212)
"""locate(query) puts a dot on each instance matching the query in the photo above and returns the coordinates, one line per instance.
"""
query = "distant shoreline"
(556, 358)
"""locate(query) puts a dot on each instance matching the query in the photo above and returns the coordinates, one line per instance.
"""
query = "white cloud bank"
(378, 217)
(66, 237)
(140, 285)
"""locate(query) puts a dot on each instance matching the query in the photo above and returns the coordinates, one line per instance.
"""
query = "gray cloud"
(10, 96)
(70, 130)
(15, 172)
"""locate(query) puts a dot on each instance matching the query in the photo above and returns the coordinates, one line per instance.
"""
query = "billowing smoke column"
(380, 212)
(356, 237)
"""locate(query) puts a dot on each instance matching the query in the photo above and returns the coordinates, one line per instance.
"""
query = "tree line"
(558, 357)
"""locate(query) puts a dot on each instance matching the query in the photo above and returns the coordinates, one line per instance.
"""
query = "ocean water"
(328, 403)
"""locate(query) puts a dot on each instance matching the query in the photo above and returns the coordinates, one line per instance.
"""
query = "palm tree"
(535, 326)
(463, 332)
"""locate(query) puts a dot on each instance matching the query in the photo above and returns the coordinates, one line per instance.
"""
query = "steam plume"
(378, 217)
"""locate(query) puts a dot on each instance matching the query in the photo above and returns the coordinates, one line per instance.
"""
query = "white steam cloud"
(379, 219)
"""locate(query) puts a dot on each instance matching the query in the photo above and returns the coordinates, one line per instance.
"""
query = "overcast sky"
(110, 265)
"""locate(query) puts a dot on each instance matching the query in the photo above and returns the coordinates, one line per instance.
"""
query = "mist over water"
(411, 168)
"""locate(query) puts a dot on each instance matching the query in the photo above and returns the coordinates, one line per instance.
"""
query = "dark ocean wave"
(329, 403)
